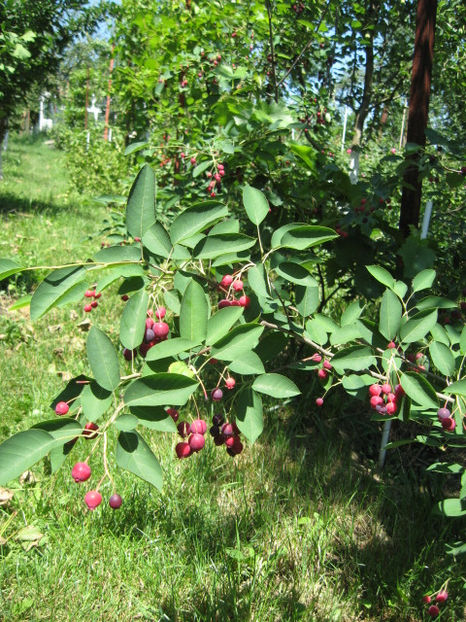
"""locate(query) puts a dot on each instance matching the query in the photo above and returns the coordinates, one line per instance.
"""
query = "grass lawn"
(298, 527)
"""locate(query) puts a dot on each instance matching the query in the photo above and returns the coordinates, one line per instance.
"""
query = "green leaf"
(306, 236)
(71, 392)
(160, 389)
(154, 418)
(221, 322)
(249, 417)
(390, 315)
(382, 275)
(126, 271)
(316, 331)
(418, 326)
(400, 289)
(347, 333)
(307, 154)
(8, 267)
(419, 389)
(307, 299)
(275, 385)
(195, 219)
(440, 334)
(435, 302)
(126, 423)
(351, 313)
(457, 388)
(442, 358)
(117, 255)
(214, 246)
(255, 204)
(256, 281)
(170, 347)
(157, 241)
(140, 209)
(194, 313)
(200, 168)
(22, 302)
(133, 320)
(295, 273)
(95, 401)
(21, 451)
(423, 280)
(103, 359)
(240, 339)
(138, 146)
(463, 340)
(453, 508)
(225, 226)
(135, 455)
(247, 365)
(53, 288)
(356, 358)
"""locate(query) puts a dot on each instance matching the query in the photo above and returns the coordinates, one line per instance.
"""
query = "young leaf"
(133, 320)
(423, 280)
(275, 385)
(390, 315)
(221, 322)
(140, 209)
(135, 455)
(419, 389)
(160, 389)
(255, 204)
(194, 313)
(382, 275)
(418, 326)
(21, 451)
(103, 359)
(442, 358)
(53, 288)
(249, 417)
(239, 340)
(196, 218)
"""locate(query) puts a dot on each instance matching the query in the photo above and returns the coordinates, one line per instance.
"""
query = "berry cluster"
(155, 332)
(233, 285)
(298, 8)
(322, 371)
(89, 430)
(384, 398)
(215, 178)
(91, 293)
(445, 418)
(434, 610)
(81, 472)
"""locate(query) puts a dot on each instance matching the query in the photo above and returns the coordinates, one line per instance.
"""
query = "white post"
(388, 424)
(41, 113)
(88, 140)
(345, 121)
(110, 135)
(354, 166)
(403, 120)
(5, 141)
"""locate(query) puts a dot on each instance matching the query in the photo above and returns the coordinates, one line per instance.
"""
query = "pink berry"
(174, 414)
(230, 383)
(193, 160)
(196, 442)
(94, 304)
(160, 313)
(375, 389)
(217, 395)
(244, 301)
(316, 358)
(443, 413)
(390, 408)
(81, 472)
(62, 408)
(89, 293)
(90, 430)
(198, 426)
(441, 596)
(386, 388)
(319, 401)
(433, 611)
(376, 400)
(322, 374)
(227, 280)
(327, 365)
(224, 303)
(230, 441)
(183, 450)
(227, 429)
(161, 329)
(93, 499)
(426, 599)
(149, 322)
(115, 501)
(238, 285)
(87, 308)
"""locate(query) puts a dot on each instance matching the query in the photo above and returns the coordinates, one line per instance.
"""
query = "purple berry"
(443, 413)
(149, 336)
(115, 501)
(217, 395)
(218, 420)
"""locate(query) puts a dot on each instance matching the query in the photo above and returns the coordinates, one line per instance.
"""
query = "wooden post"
(418, 111)
(107, 107)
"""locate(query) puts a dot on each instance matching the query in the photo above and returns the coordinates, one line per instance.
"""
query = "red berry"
(183, 429)
(160, 313)
(224, 303)
(81, 472)
(62, 408)
(198, 426)
(433, 611)
(327, 365)
(448, 424)
(92, 499)
(149, 322)
(426, 599)
(316, 358)
(322, 374)
(375, 389)
(161, 329)
(115, 501)
(125, 297)
(90, 430)
(94, 304)
(227, 280)
(319, 401)
(244, 301)
(174, 414)
(193, 160)
(230, 383)
(230, 441)
(238, 285)
(441, 596)
(390, 408)
(386, 388)
(98, 295)
(183, 450)
(376, 400)
(89, 293)
(87, 308)
(196, 442)
(227, 429)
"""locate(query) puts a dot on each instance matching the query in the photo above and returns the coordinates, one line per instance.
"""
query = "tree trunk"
(418, 111)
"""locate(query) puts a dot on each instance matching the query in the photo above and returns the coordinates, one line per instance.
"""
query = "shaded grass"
(299, 527)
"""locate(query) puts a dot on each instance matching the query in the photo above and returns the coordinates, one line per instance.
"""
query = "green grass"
(299, 527)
